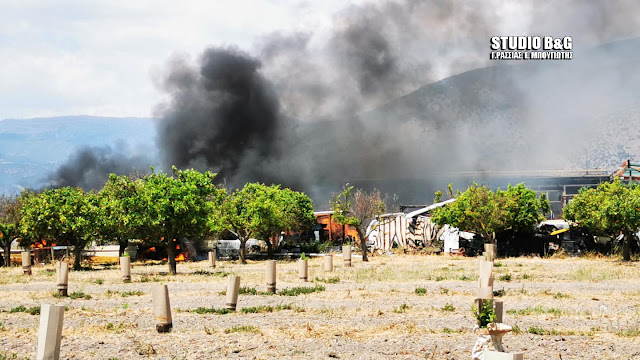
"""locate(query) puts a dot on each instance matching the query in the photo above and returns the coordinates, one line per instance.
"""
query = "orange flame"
(180, 257)
(178, 247)
(44, 242)
(152, 249)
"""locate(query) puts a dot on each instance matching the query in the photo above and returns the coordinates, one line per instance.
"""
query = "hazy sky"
(97, 57)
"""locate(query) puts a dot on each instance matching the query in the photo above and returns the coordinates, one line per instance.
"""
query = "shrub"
(257, 309)
(486, 316)
(79, 295)
(421, 291)
(131, 293)
(448, 307)
(31, 311)
(295, 291)
(242, 328)
(204, 310)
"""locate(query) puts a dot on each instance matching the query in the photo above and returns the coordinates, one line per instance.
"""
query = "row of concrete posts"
(52, 316)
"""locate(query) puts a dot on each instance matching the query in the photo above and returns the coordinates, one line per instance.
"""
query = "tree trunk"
(77, 253)
(7, 252)
(242, 250)
(123, 246)
(363, 245)
(270, 248)
(626, 248)
(171, 256)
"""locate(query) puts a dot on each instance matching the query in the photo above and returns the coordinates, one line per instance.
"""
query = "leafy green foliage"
(79, 295)
(31, 310)
(179, 206)
(486, 316)
(295, 291)
(203, 310)
(485, 212)
(10, 216)
(65, 216)
(609, 209)
(119, 214)
(331, 280)
(131, 293)
(421, 291)
(261, 211)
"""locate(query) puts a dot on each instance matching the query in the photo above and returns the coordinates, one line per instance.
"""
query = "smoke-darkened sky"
(295, 104)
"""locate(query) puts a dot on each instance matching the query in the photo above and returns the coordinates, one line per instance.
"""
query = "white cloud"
(80, 57)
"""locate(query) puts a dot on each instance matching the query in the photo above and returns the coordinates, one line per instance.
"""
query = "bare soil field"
(573, 308)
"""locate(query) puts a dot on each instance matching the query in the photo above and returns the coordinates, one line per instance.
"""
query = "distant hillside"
(546, 114)
(31, 148)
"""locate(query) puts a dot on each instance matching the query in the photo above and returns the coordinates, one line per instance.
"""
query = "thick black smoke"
(90, 167)
(221, 112)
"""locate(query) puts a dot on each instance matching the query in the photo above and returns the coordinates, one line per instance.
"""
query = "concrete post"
(125, 268)
(491, 252)
(26, 262)
(485, 281)
(485, 268)
(161, 308)
(62, 278)
(50, 332)
(328, 263)
(496, 355)
(303, 270)
(499, 310)
(270, 276)
(233, 285)
(346, 255)
(485, 293)
(212, 258)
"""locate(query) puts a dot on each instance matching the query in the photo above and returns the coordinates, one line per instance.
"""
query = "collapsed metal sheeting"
(411, 230)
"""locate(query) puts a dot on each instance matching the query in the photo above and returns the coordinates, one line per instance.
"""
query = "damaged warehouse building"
(414, 229)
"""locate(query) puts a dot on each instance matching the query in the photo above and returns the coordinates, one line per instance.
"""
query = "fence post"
(50, 332)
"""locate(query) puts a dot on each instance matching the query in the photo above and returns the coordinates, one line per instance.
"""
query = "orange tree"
(120, 216)
(482, 211)
(261, 211)
(174, 206)
(610, 209)
(9, 224)
(65, 215)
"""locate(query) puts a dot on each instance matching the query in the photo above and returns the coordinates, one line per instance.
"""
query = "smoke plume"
(316, 108)
(221, 113)
(90, 167)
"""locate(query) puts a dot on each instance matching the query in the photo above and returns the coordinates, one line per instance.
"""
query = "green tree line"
(158, 207)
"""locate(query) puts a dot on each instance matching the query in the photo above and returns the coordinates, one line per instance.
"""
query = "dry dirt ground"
(572, 308)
